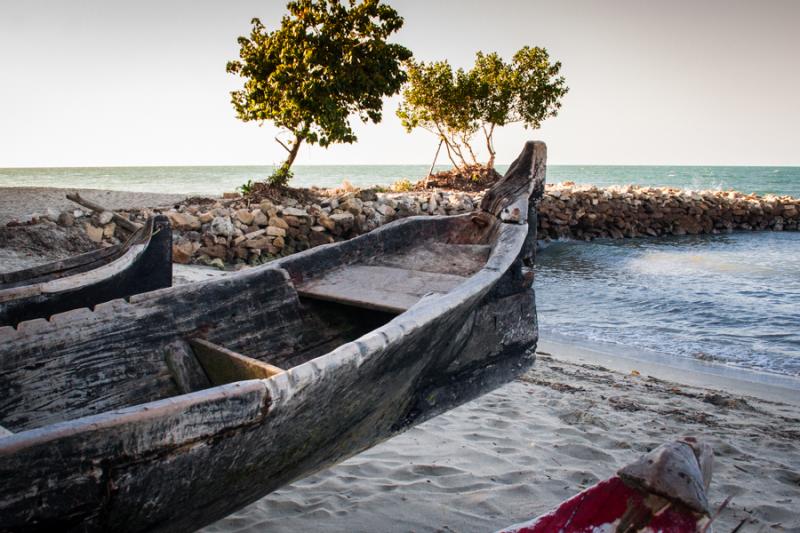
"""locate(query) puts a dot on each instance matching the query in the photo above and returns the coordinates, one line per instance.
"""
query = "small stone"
(66, 219)
(222, 226)
(183, 220)
(294, 212)
(276, 231)
(94, 233)
(259, 218)
(244, 216)
(205, 218)
(182, 252)
(109, 229)
(278, 242)
(105, 217)
(278, 222)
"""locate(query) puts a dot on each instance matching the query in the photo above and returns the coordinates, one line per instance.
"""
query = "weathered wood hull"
(141, 265)
(174, 462)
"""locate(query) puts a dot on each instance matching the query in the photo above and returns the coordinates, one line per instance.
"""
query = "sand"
(19, 202)
(519, 451)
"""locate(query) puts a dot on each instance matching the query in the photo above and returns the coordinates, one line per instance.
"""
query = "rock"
(367, 195)
(254, 234)
(326, 222)
(244, 216)
(278, 242)
(278, 222)
(343, 222)
(182, 252)
(109, 229)
(385, 210)
(105, 217)
(205, 218)
(216, 263)
(294, 212)
(66, 219)
(230, 195)
(222, 226)
(259, 218)
(94, 233)
(276, 231)
(260, 243)
(215, 250)
(184, 221)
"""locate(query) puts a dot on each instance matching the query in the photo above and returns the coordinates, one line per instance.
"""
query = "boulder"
(222, 226)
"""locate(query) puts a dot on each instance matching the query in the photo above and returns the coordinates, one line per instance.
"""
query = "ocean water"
(734, 299)
(216, 180)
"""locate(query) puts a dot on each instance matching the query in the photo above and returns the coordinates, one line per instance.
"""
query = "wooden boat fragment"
(143, 263)
(173, 409)
(662, 492)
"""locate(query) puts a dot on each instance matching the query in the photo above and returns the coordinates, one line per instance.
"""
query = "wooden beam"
(186, 370)
(226, 366)
(119, 219)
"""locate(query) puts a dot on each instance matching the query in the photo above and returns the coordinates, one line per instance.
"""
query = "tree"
(456, 105)
(328, 60)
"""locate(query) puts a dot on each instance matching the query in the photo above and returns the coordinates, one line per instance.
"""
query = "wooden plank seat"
(377, 287)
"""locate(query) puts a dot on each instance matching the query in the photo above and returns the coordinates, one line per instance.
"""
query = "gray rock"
(222, 226)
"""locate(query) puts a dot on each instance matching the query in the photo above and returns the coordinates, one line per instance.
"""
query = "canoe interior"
(131, 352)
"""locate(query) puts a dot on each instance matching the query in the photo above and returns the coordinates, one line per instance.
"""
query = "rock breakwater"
(234, 231)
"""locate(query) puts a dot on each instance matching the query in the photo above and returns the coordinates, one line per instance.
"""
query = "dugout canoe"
(142, 263)
(662, 492)
(175, 408)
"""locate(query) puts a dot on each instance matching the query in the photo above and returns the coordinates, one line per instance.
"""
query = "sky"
(685, 82)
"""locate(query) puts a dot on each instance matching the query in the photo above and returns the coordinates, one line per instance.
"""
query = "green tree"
(328, 60)
(456, 105)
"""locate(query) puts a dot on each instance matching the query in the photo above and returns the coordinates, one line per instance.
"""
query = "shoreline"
(625, 359)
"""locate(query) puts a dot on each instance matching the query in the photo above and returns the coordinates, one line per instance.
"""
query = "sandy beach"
(517, 452)
(19, 202)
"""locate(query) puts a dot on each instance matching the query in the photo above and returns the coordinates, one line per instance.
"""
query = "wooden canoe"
(143, 263)
(175, 408)
(662, 492)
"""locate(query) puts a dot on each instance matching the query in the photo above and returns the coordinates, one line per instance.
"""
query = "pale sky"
(103, 82)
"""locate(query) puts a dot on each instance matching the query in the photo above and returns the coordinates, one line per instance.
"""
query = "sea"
(730, 299)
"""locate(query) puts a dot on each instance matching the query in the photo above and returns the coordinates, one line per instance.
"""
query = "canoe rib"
(226, 366)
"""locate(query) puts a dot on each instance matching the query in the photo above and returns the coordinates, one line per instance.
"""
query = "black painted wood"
(145, 265)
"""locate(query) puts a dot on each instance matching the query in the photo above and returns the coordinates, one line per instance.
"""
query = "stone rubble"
(231, 231)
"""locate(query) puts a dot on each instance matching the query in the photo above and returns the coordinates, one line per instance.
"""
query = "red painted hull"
(602, 507)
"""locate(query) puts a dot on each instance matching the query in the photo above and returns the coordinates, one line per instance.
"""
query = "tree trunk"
(489, 146)
(293, 152)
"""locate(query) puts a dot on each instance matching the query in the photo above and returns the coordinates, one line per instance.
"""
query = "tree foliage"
(457, 104)
(328, 60)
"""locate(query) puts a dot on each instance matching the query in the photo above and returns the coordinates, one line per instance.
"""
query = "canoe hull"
(145, 266)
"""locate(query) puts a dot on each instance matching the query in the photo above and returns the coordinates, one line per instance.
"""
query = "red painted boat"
(664, 491)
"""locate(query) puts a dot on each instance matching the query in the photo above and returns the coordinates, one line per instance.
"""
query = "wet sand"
(519, 451)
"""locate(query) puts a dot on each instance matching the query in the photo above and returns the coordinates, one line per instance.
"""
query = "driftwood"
(118, 424)
(120, 220)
